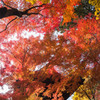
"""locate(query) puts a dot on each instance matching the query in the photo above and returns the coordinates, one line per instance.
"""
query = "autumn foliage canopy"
(49, 49)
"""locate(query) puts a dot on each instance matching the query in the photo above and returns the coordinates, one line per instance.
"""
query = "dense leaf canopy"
(49, 49)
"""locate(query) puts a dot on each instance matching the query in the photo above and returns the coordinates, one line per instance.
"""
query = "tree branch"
(86, 93)
(26, 11)
(8, 24)
(25, 52)
(4, 12)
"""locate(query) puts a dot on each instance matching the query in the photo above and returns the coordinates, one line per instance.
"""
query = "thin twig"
(7, 5)
(86, 93)
(15, 57)
(8, 24)
(25, 52)
(33, 7)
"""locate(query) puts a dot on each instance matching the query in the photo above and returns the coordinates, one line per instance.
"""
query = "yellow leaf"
(34, 1)
(31, 1)
(96, 3)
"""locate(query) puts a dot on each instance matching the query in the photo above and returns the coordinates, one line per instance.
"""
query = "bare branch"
(8, 24)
